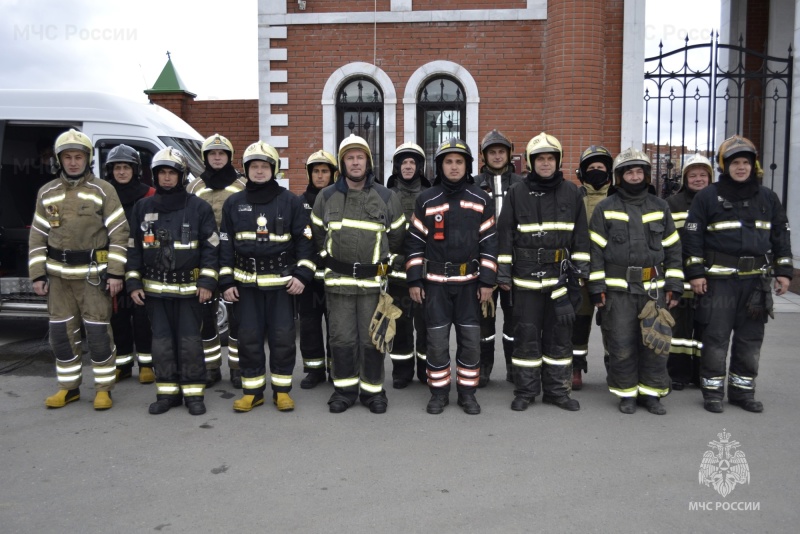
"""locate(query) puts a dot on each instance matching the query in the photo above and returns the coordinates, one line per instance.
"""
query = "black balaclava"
(262, 193)
(729, 188)
(220, 179)
(171, 198)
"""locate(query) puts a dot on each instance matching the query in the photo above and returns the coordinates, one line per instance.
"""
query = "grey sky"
(119, 47)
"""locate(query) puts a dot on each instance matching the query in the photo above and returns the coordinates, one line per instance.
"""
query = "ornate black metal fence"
(698, 95)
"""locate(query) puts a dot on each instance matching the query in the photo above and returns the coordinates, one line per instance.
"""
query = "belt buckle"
(539, 256)
(746, 263)
(254, 263)
(382, 269)
(559, 255)
(64, 255)
(355, 269)
(633, 274)
(447, 265)
(462, 269)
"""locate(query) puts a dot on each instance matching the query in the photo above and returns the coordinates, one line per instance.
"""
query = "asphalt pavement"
(596, 470)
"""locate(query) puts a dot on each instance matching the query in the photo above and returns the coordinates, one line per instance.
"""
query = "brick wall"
(562, 75)
(235, 119)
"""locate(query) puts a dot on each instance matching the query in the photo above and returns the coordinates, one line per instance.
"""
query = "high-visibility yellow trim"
(671, 240)
(546, 226)
(519, 362)
(616, 215)
(628, 392)
(652, 216)
(597, 238)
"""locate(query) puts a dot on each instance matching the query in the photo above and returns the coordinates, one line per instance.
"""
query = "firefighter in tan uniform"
(219, 181)
(77, 254)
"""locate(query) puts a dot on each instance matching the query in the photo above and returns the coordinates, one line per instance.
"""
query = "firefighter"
(635, 258)
(737, 238)
(172, 271)
(544, 256)
(129, 322)
(77, 254)
(358, 225)
(497, 168)
(407, 181)
(594, 173)
(314, 347)
(219, 181)
(265, 261)
(685, 350)
(451, 269)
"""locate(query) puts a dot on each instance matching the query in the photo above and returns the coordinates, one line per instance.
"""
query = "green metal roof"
(169, 81)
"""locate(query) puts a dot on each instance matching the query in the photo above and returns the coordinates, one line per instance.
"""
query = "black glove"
(597, 298)
(565, 312)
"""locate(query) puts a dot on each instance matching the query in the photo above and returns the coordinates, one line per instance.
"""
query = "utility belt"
(185, 276)
(448, 269)
(633, 274)
(78, 257)
(357, 270)
(541, 255)
(264, 264)
(742, 264)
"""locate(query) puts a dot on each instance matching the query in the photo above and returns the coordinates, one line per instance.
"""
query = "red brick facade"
(235, 119)
(562, 75)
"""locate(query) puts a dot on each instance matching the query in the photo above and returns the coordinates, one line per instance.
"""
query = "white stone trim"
(419, 78)
(276, 15)
(633, 34)
(338, 78)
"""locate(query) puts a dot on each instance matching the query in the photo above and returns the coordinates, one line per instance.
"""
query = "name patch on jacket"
(245, 207)
(691, 227)
(151, 216)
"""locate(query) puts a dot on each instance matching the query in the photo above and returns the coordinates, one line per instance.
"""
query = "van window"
(146, 152)
(191, 148)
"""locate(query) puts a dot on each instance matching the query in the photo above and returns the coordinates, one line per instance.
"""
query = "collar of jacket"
(341, 183)
(591, 191)
(87, 177)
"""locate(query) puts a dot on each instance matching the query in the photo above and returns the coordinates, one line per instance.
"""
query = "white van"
(30, 121)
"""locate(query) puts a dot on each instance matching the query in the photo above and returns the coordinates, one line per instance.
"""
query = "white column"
(633, 34)
(793, 203)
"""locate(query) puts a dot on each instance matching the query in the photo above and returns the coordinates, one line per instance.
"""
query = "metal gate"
(698, 95)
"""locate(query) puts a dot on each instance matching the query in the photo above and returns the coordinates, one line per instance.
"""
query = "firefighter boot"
(751, 405)
(195, 404)
(521, 403)
(236, 378)
(653, 405)
(248, 402)
(62, 398)
(469, 404)
(312, 379)
(627, 405)
(283, 401)
(437, 403)
(577, 381)
(565, 403)
(102, 400)
(713, 405)
(214, 376)
(163, 403)
(146, 375)
(123, 371)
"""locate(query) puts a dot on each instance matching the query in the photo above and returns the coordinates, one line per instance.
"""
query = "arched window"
(441, 115)
(359, 111)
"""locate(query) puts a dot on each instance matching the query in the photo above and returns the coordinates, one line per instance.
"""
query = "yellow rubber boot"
(248, 402)
(102, 400)
(62, 398)
(146, 375)
(284, 402)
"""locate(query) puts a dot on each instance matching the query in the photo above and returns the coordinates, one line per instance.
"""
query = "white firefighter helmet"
(697, 160)
(409, 150)
(173, 158)
(263, 152)
(631, 157)
(352, 142)
(217, 142)
(320, 156)
(543, 144)
(72, 139)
